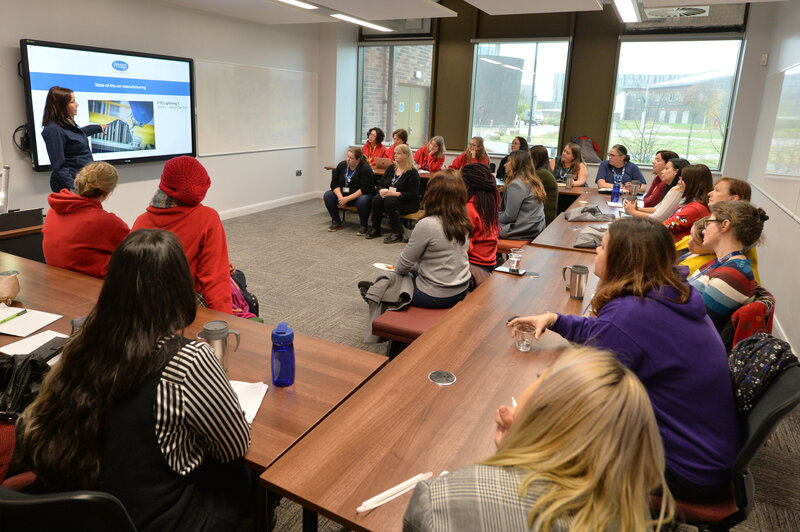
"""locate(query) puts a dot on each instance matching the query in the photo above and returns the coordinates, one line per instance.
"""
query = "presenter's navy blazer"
(68, 149)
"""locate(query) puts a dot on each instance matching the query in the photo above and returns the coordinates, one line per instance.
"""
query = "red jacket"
(461, 160)
(390, 151)
(79, 235)
(483, 244)
(202, 236)
(426, 161)
(681, 221)
(370, 153)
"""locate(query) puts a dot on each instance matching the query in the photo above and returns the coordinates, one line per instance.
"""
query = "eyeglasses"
(709, 221)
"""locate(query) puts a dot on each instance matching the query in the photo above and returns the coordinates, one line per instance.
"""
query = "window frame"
(361, 45)
(683, 37)
(512, 40)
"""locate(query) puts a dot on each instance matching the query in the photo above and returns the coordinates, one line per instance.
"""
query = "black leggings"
(686, 490)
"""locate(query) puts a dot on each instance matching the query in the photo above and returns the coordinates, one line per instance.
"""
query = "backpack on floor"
(241, 283)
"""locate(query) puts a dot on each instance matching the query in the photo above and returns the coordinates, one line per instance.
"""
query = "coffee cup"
(216, 334)
(578, 277)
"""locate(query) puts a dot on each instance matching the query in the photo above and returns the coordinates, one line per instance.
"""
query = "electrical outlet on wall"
(298, 173)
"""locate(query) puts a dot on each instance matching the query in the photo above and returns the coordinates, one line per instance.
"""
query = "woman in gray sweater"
(437, 248)
(522, 208)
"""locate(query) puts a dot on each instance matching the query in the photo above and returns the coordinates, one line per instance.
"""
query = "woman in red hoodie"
(78, 234)
(176, 207)
(483, 206)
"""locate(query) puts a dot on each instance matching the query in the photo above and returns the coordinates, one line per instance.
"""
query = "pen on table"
(20, 313)
(393, 493)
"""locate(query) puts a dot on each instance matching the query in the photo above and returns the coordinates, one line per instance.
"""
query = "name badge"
(346, 190)
(392, 189)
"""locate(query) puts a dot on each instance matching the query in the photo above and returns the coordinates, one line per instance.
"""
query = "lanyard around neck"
(723, 260)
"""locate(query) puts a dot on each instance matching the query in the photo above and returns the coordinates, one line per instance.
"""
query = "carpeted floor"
(307, 276)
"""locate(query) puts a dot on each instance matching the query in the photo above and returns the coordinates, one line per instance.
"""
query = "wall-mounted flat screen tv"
(147, 100)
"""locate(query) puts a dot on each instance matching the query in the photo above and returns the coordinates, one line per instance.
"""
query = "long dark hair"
(640, 257)
(446, 197)
(699, 183)
(482, 186)
(147, 296)
(55, 106)
(540, 157)
(523, 143)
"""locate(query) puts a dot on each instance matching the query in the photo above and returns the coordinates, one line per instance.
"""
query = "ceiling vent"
(675, 12)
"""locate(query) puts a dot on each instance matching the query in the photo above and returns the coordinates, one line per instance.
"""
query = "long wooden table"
(561, 233)
(400, 424)
(326, 373)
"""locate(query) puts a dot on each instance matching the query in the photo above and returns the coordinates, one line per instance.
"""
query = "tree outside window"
(674, 95)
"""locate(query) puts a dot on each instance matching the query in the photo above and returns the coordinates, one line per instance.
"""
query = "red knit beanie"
(185, 180)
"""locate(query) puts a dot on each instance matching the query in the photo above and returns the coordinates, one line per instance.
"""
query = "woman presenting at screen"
(67, 144)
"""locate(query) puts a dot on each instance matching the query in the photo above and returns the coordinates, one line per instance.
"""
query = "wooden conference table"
(559, 234)
(326, 373)
(400, 424)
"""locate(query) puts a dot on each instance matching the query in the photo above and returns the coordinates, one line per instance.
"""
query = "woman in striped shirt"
(134, 409)
(727, 282)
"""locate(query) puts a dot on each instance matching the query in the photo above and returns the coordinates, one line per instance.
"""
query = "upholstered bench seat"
(406, 325)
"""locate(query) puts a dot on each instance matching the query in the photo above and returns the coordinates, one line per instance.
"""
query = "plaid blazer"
(478, 497)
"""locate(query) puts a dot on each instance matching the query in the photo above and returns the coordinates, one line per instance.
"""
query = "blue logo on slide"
(120, 65)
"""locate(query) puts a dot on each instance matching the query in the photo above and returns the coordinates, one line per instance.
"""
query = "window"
(674, 95)
(518, 90)
(395, 90)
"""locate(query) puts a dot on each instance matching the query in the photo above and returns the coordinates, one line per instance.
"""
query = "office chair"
(84, 511)
(780, 398)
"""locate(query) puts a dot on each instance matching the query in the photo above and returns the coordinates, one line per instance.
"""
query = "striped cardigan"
(725, 288)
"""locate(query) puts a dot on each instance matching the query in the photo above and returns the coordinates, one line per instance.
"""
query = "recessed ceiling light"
(626, 9)
(360, 22)
(298, 3)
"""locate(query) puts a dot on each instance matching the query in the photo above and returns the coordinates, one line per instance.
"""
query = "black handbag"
(21, 377)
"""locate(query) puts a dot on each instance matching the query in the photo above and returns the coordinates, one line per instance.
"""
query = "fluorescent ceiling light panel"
(360, 22)
(492, 61)
(297, 3)
(626, 10)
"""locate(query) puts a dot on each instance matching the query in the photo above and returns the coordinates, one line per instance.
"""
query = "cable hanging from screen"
(24, 141)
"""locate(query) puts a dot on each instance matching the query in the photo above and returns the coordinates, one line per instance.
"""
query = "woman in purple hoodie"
(656, 324)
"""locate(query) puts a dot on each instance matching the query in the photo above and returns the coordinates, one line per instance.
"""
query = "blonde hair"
(403, 148)
(439, 141)
(589, 434)
(96, 179)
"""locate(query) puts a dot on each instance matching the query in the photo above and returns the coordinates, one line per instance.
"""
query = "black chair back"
(85, 511)
(781, 397)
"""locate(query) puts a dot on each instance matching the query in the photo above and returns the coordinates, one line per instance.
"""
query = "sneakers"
(393, 238)
(335, 226)
(363, 287)
(361, 231)
(374, 233)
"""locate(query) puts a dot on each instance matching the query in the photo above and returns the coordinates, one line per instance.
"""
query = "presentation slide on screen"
(146, 102)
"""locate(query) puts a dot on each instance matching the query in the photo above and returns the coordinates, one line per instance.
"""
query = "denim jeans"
(421, 299)
(363, 203)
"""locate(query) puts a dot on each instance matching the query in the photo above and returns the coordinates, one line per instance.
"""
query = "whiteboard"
(242, 108)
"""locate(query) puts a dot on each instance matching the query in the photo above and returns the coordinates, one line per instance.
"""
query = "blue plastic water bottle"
(615, 193)
(282, 355)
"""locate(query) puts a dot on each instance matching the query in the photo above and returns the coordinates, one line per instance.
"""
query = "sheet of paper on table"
(251, 394)
(30, 344)
(25, 324)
